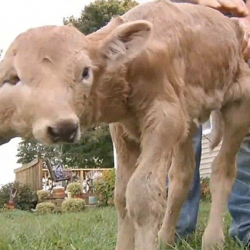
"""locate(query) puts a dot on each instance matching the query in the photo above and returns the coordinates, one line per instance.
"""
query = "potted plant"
(73, 205)
(45, 208)
(42, 195)
(104, 188)
(75, 190)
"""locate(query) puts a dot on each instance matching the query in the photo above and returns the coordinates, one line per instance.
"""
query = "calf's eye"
(85, 73)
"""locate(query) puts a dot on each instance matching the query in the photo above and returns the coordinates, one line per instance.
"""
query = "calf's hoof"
(165, 239)
(213, 239)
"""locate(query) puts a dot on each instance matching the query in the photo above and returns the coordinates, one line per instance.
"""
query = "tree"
(28, 150)
(98, 14)
(95, 149)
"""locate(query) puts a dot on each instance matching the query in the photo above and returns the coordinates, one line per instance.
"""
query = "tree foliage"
(98, 14)
(95, 149)
(28, 150)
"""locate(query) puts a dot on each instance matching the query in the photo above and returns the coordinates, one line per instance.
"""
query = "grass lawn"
(93, 229)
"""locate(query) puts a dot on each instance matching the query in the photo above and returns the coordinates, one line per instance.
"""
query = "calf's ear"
(8, 73)
(126, 42)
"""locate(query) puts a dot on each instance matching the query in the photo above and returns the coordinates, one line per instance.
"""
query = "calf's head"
(50, 72)
(40, 66)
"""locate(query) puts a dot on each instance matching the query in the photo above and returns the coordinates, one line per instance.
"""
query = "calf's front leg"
(146, 190)
(128, 152)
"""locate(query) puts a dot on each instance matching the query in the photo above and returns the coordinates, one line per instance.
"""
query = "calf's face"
(49, 70)
(50, 73)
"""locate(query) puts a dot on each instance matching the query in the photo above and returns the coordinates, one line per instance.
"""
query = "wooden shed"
(31, 174)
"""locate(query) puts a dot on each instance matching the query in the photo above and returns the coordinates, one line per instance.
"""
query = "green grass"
(93, 229)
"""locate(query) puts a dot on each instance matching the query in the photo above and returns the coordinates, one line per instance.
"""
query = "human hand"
(245, 25)
(235, 7)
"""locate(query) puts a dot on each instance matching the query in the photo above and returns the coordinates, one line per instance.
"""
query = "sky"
(16, 17)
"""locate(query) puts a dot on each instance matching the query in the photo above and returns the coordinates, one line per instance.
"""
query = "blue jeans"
(239, 201)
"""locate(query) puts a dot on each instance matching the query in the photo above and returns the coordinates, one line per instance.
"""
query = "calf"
(152, 74)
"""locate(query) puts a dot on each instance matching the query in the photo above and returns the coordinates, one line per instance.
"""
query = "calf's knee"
(145, 201)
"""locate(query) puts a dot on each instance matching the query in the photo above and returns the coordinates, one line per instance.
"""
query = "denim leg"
(239, 202)
(189, 214)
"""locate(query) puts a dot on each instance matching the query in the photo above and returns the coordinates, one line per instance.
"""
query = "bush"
(105, 187)
(205, 189)
(75, 189)
(26, 198)
(42, 195)
(73, 205)
(45, 208)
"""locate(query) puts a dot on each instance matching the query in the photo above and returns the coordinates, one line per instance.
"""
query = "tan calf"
(150, 74)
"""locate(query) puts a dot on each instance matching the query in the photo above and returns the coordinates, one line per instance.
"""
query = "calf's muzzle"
(63, 131)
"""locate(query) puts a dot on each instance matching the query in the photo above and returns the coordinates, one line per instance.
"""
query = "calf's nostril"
(54, 134)
(64, 131)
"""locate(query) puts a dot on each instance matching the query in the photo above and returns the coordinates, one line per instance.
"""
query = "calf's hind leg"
(236, 119)
(181, 179)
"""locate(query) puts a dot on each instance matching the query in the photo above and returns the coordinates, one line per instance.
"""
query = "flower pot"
(69, 195)
(92, 200)
(11, 206)
(59, 192)
(79, 196)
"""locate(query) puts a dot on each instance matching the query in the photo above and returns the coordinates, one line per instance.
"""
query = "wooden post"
(40, 173)
(81, 177)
